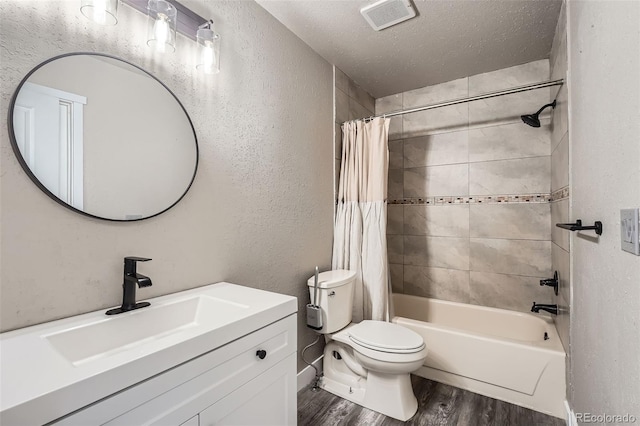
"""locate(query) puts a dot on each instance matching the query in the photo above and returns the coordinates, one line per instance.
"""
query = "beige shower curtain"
(359, 236)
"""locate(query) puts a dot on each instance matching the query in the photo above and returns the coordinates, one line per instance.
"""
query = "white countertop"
(38, 384)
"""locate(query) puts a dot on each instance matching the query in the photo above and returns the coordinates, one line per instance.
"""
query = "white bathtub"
(494, 352)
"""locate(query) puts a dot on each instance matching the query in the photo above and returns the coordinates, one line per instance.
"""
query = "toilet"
(369, 362)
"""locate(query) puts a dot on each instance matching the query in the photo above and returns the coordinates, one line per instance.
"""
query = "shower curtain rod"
(471, 98)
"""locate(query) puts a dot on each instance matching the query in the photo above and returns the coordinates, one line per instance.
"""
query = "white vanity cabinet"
(231, 385)
(221, 354)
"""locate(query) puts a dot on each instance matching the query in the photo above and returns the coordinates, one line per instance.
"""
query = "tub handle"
(551, 282)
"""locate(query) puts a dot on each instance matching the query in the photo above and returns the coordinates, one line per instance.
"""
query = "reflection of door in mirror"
(48, 125)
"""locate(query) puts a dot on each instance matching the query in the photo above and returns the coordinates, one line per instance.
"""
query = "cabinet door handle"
(261, 353)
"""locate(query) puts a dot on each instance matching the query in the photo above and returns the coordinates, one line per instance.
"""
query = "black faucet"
(551, 282)
(131, 279)
(537, 307)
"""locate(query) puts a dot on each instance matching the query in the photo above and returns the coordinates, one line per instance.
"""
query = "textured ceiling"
(447, 40)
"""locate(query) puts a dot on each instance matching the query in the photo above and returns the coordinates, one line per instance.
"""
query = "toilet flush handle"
(333, 293)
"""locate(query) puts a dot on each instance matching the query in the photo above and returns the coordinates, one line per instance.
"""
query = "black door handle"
(261, 353)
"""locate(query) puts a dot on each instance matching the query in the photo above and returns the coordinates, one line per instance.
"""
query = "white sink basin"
(52, 369)
(108, 336)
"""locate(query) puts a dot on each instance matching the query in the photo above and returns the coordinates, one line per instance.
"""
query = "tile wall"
(351, 102)
(560, 188)
(469, 189)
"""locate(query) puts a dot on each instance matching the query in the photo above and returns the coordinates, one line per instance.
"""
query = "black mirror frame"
(25, 167)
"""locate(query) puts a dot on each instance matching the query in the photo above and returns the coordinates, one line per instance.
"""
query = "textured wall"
(560, 186)
(604, 126)
(260, 210)
(469, 213)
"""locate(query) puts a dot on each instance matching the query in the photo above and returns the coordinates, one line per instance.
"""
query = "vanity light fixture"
(163, 17)
(103, 12)
(208, 49)
(166, 17)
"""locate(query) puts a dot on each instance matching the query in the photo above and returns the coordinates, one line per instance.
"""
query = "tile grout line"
(469, 186)
(471, 238)
(473, 162)
(469, 271)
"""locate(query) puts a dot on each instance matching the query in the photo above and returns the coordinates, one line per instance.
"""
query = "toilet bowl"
(368, 362)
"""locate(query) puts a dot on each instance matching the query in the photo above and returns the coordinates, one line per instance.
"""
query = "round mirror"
(103, 137)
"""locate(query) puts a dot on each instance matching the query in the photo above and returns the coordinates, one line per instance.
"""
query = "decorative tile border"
(480, 199)
(560, 194)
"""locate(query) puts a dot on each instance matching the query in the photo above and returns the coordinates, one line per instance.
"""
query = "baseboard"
(307, 375)
(571, 416)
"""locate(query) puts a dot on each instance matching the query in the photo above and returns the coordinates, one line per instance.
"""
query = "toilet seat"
(382, 353)
(385, 337)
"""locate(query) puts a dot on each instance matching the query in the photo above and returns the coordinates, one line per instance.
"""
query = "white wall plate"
(629, 234)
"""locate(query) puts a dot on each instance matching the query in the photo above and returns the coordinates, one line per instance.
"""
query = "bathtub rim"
(556, 348)
(553, 344)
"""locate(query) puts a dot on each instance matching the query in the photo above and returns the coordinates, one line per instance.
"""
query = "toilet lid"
(386, 337)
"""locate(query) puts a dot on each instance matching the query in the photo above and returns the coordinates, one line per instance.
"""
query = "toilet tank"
(335, 297)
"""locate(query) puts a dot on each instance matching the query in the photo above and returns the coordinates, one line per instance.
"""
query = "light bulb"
(161, 27)
(208, 58)
(99, 11)
(161, 32)
(102, 12)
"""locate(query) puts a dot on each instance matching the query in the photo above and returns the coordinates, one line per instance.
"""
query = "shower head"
(533, 120)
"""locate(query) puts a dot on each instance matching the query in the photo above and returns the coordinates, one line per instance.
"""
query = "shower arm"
(552, 105)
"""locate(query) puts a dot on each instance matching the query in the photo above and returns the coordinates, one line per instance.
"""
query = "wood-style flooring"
(438, 404)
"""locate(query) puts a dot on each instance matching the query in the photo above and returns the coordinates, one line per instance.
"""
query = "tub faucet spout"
(537, 307)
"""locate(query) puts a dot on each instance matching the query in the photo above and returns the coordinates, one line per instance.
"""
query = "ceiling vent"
(385, 13)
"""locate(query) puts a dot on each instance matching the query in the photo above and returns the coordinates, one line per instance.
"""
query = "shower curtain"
(359, 236)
